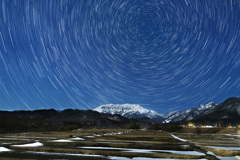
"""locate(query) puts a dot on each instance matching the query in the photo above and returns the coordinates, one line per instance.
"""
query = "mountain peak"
(206, 106)
(129, 111)
(120, 108)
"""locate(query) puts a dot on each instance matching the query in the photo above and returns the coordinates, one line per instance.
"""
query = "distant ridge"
(68, 119)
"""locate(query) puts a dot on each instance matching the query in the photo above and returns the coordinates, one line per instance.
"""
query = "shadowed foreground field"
(116, 144)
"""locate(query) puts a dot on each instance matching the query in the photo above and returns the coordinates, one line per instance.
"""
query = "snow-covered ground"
(235, 135)
(36, 144)
(78, 138)
(183, 140)
(61, 140)
(3, 149)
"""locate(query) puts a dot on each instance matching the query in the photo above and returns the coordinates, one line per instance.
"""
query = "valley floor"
(116, 144)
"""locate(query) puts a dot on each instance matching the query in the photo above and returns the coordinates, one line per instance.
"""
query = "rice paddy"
(94, 144)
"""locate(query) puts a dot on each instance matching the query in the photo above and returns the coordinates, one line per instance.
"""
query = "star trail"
(164, 55)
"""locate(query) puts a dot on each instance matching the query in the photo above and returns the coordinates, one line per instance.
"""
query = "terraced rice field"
(117, 145)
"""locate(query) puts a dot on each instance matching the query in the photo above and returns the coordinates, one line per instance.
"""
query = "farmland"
(102, 144)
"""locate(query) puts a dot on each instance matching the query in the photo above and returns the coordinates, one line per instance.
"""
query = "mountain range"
(118, 116)
(189, 114)
(228, 111)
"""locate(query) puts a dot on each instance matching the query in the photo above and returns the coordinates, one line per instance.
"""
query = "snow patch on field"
(61, 140)
(3, 149)
(36, 144)
(183, 140)
(78, 138)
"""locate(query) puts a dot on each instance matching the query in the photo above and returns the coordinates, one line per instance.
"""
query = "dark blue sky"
(164, 55)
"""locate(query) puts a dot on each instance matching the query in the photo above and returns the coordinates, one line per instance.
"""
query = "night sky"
(162, 54)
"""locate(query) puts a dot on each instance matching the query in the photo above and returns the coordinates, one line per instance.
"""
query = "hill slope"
(52, 120)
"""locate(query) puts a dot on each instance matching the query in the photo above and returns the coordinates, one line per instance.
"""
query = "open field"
(118, 144)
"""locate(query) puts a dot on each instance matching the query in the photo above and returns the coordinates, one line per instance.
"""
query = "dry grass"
(222, 152)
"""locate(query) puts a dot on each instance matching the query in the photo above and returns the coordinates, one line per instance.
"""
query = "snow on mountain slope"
(189, 114)
(170, 114)
(129, 111)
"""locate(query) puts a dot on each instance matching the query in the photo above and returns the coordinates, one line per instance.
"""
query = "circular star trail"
(164, 55)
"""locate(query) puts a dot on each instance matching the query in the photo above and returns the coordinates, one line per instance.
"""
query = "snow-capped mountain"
(130, 111)
(189, 114)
